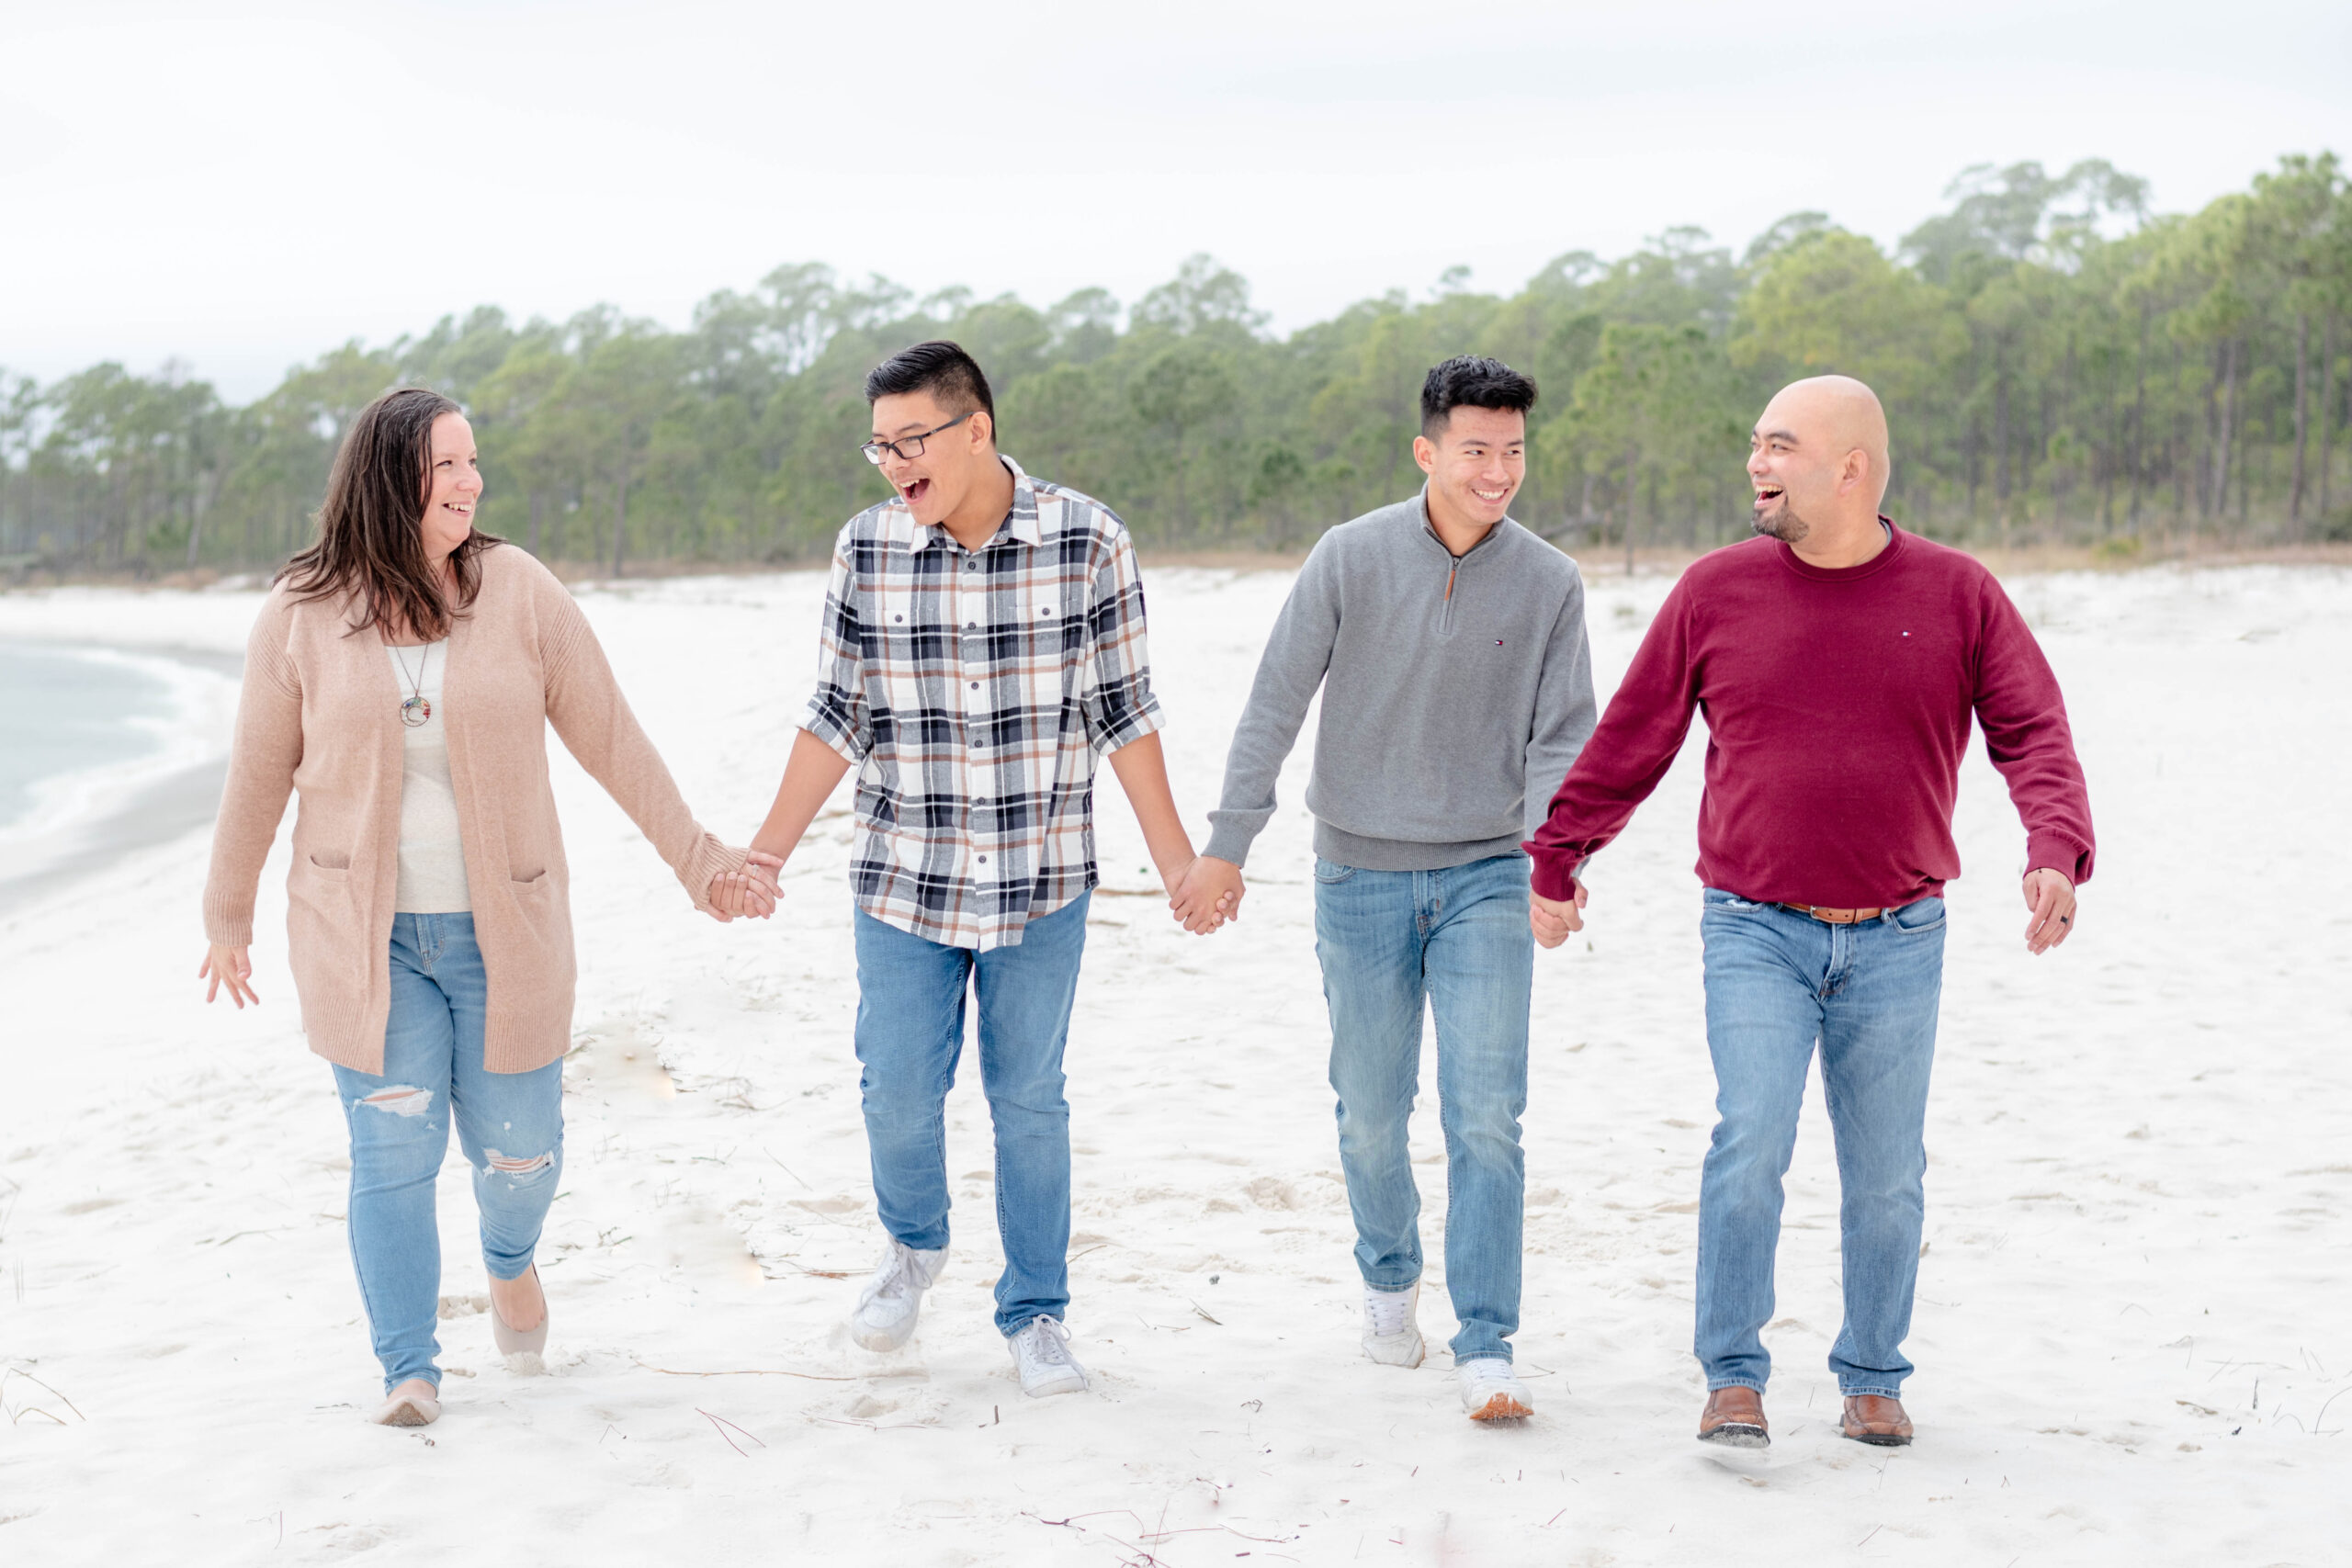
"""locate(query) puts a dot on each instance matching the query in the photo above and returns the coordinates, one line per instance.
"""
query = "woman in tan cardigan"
(399, 680)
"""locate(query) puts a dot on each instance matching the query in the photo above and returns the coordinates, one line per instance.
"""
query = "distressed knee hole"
(515, 1169)
(402, 1099)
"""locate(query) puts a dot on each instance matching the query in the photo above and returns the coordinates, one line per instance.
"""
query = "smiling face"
(1786, 474)
(956, 465)
(1817, 461)
(1475, 464)
(452, 487)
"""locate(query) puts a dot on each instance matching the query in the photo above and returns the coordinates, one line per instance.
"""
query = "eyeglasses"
(907, 448)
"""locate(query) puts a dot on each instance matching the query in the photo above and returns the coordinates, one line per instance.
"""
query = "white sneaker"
(1490, 1392)
(1041, 1355)
(887, 1308)
(1391, 1336)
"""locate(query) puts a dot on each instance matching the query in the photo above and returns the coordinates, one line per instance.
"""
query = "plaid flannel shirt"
(973, 690)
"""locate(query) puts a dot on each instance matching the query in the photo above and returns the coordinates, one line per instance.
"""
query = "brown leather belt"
(1835, 917)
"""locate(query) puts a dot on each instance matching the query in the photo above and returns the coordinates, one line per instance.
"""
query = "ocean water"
(61, 712)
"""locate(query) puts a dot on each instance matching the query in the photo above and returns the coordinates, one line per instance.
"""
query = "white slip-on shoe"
(1041, 1355)
(1491, 1391)
(887, 1308)
(1392, 1333)
(407, 1408)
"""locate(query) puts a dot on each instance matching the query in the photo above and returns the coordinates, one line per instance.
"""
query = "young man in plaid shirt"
(983, 642)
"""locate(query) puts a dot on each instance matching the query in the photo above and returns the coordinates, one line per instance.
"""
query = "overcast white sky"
(245, 187)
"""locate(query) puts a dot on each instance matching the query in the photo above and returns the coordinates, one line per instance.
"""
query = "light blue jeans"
(1457, 941)
(909, 1038)
(1777, 983)
(510, 1125)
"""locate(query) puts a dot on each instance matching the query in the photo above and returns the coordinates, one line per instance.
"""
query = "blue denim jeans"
(909, 1038)
(510, 1125)
(1777, 983)
(1457, 941)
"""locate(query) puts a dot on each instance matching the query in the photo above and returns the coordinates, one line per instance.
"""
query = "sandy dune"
(2132, 1315)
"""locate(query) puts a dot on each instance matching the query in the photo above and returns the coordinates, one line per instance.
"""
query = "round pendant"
(415, 712)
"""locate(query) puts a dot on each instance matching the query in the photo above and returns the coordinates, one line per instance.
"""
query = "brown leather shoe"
(1735, 1417)
(1876, 1419)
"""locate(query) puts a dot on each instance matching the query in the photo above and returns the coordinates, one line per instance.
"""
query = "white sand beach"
(2132, 1315)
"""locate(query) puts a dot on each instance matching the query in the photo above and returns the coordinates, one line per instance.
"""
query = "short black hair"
(1472, 382)
(952, 377)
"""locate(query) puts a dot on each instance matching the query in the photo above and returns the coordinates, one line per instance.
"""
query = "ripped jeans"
(509, 1124)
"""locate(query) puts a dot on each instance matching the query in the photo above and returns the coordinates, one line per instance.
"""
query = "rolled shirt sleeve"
(1116, 696)
(836, 712)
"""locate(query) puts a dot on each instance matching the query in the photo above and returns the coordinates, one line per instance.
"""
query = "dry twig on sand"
(744, 1372)
(17, 1415)
(720, 1425)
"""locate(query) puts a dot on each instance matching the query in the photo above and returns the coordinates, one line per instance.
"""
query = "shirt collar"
(1022, 522)
(1429, 528)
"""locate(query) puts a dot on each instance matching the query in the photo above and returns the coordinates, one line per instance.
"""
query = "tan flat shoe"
(406, 1407)
(1875, 1419)
(516, 1342)
(1735, 1418)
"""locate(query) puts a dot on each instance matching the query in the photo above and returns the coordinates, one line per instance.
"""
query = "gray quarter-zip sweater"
(1455, 695)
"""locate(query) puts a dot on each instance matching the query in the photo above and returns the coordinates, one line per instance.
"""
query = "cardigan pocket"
(546, 924)
(326, 942)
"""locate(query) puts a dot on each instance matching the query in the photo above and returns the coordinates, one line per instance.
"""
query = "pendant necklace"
(415, 710)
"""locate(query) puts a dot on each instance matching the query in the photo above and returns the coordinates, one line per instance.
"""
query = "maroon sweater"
(1838, 704)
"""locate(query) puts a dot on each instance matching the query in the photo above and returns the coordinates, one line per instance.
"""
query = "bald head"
(1834, 416)
(1818, 461)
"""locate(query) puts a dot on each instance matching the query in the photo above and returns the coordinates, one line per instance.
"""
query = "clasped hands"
(1205, 894)
(748, 894)
(1553, 919)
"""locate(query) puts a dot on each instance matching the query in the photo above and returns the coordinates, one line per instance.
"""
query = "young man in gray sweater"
(1449, 643)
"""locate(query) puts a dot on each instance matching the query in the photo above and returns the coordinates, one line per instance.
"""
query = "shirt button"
(984, 860)
(975, 625)
(976, 685)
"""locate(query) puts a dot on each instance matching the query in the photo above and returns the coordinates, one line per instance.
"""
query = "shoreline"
(153, 813)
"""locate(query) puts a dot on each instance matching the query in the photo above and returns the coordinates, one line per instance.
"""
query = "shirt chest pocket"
(1050, 637)
(904, 644)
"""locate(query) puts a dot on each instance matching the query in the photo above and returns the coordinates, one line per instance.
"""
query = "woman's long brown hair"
(371, 530)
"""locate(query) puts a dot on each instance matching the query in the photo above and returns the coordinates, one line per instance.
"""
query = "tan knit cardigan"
(320, 716)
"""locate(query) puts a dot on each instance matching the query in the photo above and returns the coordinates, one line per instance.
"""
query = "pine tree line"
(2059, 366)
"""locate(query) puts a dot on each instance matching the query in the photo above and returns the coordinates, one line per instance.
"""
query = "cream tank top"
(432, 857)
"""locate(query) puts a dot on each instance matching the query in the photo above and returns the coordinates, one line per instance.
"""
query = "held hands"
(230, 966)
(1552, 918)
(2050, 897)
(1204, 893)
(750, 893)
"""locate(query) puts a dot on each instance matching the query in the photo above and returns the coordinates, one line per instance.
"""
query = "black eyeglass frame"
(873, 450)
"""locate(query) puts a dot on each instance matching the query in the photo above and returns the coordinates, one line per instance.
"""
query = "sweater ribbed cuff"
(229, 922)
(1229, 842)
(2054, 851)
(708, 858)
(1553, 875)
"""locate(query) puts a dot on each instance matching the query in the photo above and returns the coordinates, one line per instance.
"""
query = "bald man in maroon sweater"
(1839, 661)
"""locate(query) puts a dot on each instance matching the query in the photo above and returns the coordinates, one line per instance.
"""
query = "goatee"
(1780, 522)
